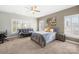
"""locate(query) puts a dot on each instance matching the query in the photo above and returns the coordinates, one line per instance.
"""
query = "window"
(22, 23)
(71, 27)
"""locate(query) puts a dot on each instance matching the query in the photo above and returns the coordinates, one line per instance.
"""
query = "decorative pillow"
(47, 29)
(51, 30)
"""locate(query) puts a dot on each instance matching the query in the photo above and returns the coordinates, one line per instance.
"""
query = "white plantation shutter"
(71, 27)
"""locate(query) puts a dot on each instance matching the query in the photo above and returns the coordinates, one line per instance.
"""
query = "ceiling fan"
(33, 8)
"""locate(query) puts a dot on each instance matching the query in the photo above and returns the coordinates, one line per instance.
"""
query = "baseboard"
(9, 37)
(70, 41)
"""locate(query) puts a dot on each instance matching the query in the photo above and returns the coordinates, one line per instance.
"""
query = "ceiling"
(44, 9)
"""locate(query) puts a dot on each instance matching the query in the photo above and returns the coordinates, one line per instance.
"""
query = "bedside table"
(60, 37)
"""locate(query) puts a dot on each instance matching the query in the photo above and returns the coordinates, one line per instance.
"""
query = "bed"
(43, 38)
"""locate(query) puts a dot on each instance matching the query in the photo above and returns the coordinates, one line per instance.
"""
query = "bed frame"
(39, 39)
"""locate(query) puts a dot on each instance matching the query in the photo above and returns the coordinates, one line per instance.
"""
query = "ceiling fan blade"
(28, 8)
(37, 10)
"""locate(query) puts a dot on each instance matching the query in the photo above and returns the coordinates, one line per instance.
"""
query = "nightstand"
(60, 37)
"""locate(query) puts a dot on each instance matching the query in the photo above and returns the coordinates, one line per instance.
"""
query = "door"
(41, 25)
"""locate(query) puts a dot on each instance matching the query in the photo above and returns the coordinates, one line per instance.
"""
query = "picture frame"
(51, 21)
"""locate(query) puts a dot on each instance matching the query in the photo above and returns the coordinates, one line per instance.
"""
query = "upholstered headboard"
(56, 29)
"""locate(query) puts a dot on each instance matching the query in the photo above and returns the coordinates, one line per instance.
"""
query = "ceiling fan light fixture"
(34, 9)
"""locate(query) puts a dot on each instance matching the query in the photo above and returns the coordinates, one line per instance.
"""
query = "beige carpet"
(26, 46)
